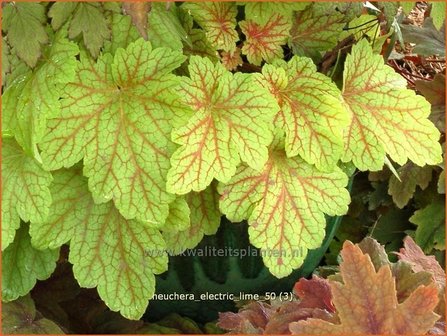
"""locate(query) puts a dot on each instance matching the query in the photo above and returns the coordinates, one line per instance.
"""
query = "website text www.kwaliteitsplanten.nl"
(213, 251)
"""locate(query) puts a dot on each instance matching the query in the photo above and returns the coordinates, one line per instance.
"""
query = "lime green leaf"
(407, 6)
(111, 7)
(200, 46)
(438, 13)
(70, 201)
(285, 205)
(15, 68)
(411, 176)
(23, 265)
(311, 112)
(261, 12)
(264, 41)
(6, 66)
(165, 28)
(196, 42)
(179, 215)
(116, 117)
(218, 19)
(24, 25)
(364, 25)
(204, 220)
(19, 317)
(430, 232)
(107, 251)
(315, 30)
(123, 33)
(231, 120)
(113, 258)
(25, 190)
(33, 96)
(386, 118)
(205, 212)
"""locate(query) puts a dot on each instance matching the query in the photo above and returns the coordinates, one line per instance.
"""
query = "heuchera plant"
(369, 296)
(124, 134)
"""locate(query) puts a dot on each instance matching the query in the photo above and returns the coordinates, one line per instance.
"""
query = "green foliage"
(203, 219)
(271, 201)
(20, 317)
(261, 12)
(25, 265)
(107, 250)
(115, 109)
(229, 121)
(438, 13)
(410, 176)
(386, 116)
(430, 221)
(407, 6)
(23, 24)
(311, 111)
(263, 41)
(123, 33)
(428, 39)
(6, 65)
(32, 96)
(218, 19)
(128, 134)
(25, 190)
(315, 29)
(86, 19)
(165, 28)
(390, 228)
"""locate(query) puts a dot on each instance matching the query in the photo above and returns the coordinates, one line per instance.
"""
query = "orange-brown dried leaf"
(138, 11)
(414, 255)
(274, 317)
(375, 251)
(291, 312)
(231, 59)
(366, 302)
(434, 92)
(406, 280)
(314, 293)
(252, 319)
